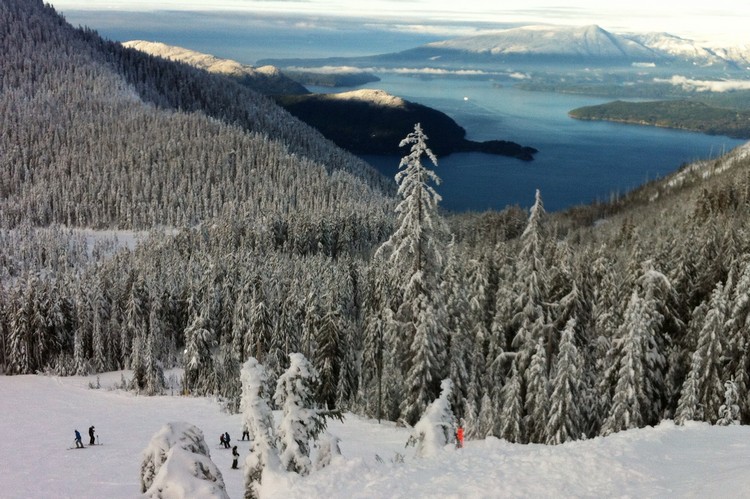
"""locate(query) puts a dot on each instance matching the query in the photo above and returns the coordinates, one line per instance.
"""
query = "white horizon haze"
(718, 23)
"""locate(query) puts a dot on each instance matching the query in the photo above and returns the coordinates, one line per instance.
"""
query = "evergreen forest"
(260, 238)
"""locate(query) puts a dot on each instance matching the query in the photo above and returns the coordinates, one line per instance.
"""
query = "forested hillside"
(98, 135)
(551, 327)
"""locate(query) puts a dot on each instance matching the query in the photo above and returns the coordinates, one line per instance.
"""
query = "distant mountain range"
(572, 44)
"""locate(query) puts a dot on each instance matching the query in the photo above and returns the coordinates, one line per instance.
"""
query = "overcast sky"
(718, 21)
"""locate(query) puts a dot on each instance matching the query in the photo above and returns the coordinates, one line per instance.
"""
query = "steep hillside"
(264, 79)
(96, 134)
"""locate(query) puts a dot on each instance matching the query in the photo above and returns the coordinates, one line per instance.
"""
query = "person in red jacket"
(459, 436)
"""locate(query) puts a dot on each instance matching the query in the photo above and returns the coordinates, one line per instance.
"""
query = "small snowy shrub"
(187, 474)
(433, 431)
(177, 434)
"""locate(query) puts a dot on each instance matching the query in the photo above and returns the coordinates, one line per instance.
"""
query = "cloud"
(705, 85)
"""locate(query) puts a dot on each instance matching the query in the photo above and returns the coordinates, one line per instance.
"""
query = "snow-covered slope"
(265, 79)
(40, 413)
(680, 48)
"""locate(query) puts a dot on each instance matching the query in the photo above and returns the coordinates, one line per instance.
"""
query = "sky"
(716, 22)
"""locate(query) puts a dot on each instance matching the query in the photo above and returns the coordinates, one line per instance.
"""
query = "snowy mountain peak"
(594, 42)
(578, 41)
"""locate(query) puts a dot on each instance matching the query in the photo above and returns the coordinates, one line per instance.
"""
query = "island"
(683, 114)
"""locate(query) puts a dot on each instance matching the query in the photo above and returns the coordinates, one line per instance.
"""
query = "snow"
(40, 413)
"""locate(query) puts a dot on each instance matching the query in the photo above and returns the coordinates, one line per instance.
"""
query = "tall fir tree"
(564, 413)
(702, 393)
(511, 414)
(413, 251)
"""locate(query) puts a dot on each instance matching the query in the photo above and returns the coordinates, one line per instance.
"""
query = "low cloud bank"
(705, 85)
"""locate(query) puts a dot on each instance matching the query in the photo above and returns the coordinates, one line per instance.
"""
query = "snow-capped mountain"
(572, 41)
(592, 43)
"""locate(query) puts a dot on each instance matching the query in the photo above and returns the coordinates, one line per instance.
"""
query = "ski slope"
(39, 415)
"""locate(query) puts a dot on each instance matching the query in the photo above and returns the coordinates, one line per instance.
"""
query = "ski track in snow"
(39, 415)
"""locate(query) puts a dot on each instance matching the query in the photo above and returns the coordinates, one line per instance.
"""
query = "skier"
(245, 432)
(221, 440)
(92, 436)
(79, 444)
(235, 456)
(226, 440)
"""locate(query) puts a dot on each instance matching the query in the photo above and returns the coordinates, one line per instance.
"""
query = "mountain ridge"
(266, 79)
(574, 44)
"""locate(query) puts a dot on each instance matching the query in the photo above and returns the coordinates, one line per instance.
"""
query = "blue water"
(578, 162)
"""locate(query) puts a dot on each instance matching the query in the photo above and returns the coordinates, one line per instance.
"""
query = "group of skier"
(92, 438)
(224, 440)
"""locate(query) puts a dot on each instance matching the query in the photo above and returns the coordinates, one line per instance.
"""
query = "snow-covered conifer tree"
(729, 412)
(537, 396)
(626, 411)
(564, 414)
(511, 415)
(530, 285)
(258, 419)
(199, 369)
(327, 357)
(485, 422)
(301, 422)
(414, 253)
(260, 331)
(435, 428)
(738, 343)
(706, 368)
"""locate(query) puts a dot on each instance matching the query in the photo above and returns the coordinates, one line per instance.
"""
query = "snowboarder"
(221, 440)
(79, 444)
(245, 432)
(92, 436)
(226, 440)
(235, 456)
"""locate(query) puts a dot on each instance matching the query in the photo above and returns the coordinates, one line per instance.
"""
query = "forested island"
(682, 114)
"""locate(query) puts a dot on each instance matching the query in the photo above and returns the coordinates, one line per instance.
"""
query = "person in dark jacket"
(92, 436)
(79, 444)
(235, 456)
(226, 440)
